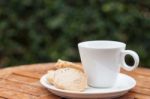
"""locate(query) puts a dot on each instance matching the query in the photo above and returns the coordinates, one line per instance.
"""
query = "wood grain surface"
(22, 82)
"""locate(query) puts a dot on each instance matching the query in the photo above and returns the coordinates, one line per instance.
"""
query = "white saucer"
(123, 85)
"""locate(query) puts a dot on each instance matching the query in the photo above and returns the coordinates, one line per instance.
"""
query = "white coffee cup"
(102, 61)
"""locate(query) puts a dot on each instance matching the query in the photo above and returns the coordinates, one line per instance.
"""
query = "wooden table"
(22, 82)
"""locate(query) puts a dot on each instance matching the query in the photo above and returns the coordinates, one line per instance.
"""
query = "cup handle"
(135, 57)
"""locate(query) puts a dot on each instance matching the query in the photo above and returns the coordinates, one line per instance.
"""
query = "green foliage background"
(33, 31)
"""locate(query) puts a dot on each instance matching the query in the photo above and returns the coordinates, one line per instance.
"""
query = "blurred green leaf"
(33, 31)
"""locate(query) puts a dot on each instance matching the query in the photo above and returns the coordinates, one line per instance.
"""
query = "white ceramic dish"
(123, 85)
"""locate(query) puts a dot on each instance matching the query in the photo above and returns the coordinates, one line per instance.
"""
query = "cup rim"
(84, 43)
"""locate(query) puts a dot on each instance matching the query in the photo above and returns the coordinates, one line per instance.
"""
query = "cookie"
(63, 64)
(70, 79)
(50, 76)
